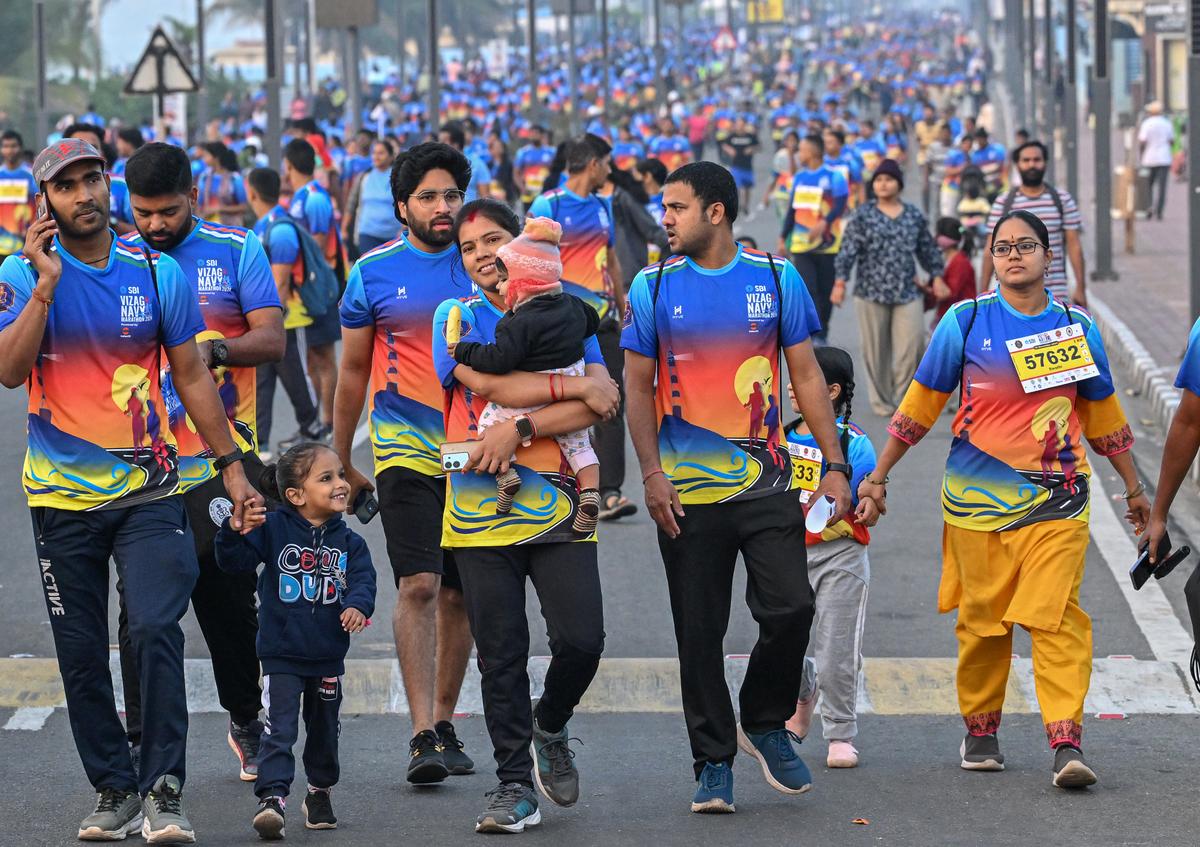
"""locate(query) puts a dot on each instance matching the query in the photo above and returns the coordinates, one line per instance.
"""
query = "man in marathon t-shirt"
(532, 165)
(312, 207)
(231, 279)
(592, 272)
(703, 341)
(17, 190)
(387, 319)
(88, 321)
(740, 146)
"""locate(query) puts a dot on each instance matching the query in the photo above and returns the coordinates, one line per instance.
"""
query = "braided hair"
(838, 368)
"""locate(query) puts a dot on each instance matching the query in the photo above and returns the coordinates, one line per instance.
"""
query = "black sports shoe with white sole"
(981, 753)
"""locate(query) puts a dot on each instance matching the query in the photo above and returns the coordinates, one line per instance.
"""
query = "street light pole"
(604, 73)
(202, 90)
(572, 72)
(1102, 93)
(39, 37)
(434, 105)
(1049, 111)
(354, 80)
(1013, 58)
(660, 84)
(531, 47)
(1070, 107)
(1031, 71)
(274, 116)
(1193, 96)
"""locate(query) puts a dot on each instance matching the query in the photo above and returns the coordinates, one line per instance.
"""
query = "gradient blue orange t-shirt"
(544, 509)
(716, 335)
(230, 277)
(97, 425)
(588, 234)
(1017, 457)
(17, 211)
(396, 288)
(818, 194)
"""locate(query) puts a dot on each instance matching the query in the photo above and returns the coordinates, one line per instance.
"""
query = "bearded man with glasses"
(387, 325)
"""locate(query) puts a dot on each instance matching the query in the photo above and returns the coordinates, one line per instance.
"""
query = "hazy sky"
(127, 25)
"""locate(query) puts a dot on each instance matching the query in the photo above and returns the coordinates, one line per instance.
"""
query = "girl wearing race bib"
(838, 570)
(1035, 383)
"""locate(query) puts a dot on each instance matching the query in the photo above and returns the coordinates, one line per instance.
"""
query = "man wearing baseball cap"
(85, 321)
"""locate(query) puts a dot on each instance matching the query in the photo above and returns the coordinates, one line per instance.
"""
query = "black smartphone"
(365, 506)
(1167, 561)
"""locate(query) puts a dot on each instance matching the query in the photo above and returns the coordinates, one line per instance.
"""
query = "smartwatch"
(524, 429)
(228, 459)
(220, 352)
(840, 467)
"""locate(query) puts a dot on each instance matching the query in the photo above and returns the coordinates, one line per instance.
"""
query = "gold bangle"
(1138, 491)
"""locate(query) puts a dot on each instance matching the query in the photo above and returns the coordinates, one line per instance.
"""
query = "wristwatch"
(524, 429)
(228, 459)
(840, 467)
(220, 352)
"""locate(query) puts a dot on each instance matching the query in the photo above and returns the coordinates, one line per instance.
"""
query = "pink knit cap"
(532, 259)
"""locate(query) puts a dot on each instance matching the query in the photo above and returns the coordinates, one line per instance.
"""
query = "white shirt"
(1157, 134)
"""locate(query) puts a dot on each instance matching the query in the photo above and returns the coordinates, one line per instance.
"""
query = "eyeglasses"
(1023, 248)
(428, 199)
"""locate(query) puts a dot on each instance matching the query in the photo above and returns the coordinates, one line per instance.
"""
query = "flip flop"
(615, 506)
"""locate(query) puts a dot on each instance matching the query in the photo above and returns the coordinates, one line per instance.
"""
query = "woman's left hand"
(499, 442)
(1138, 513)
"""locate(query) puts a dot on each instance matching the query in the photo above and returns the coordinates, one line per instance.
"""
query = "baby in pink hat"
(544, 330)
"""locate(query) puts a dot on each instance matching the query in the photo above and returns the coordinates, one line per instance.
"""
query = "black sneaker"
(427, 765)
(457, 761)
(318, 809)
(244, 742)
(268, 820)
(511, 807)
(981, 753)
(1070, 771)
(554, 771)
(118, 814)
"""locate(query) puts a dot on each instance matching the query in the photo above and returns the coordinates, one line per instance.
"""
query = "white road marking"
(30, 719)
(1155, 617)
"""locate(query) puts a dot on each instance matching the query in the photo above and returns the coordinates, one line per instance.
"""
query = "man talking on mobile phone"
(85, 321)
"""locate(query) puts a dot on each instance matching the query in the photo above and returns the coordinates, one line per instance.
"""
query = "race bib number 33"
(1052, 358)
(806, 469)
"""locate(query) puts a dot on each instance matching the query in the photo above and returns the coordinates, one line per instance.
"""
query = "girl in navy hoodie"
(317, 587)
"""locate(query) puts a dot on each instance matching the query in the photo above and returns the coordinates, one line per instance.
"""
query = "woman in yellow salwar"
(1035, 383)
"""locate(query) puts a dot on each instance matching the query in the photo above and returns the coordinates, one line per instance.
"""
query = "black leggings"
(567, 581)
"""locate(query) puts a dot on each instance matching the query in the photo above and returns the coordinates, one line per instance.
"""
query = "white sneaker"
(841, 755)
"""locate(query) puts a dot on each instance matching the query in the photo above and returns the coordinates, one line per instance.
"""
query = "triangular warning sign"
(161, 70)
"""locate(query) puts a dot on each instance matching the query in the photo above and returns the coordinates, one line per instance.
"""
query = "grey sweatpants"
(839, 572)
(893, 341)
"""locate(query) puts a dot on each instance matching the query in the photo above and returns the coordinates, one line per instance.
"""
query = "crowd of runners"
(505, 309)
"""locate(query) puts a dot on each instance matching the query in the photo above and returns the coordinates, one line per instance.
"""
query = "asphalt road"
(636, 765)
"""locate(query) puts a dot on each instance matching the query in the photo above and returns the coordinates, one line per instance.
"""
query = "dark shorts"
(208, 505)
(743, 177)
(411, 506)
(326, 329)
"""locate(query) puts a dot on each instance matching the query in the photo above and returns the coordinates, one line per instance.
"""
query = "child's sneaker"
(318, 810)
(268, 820)
(841, 755)
(588, 512)
(507, 486)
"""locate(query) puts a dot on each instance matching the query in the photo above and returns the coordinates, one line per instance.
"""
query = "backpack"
(319, 287)
(1054, 195)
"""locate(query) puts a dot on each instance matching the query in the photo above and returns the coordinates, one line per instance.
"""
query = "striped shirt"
(1043, 206)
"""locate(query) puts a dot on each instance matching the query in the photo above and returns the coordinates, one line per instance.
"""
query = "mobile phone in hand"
(365, 506)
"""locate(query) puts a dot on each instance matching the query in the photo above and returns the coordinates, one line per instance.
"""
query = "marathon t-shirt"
(716, 336)
(1189, 371)
(17, 209)
(1017, 458)
(544, 509)
(230, 277)
(97, 425)
(533, 164)
(626, 154)
(992, 161)
(673, 151)
(282, 246)
(1043, 207)
(396, 288)
(814, 195)
(588, 234)
(860, 454)
(848, 165)
(871, 151)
